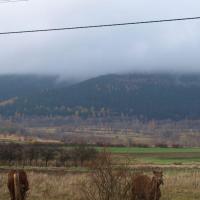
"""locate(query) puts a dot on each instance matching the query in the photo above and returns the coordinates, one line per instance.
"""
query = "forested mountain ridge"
(146, 96)
(14, 85)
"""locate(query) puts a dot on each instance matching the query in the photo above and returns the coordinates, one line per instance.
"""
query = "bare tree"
(106, 182)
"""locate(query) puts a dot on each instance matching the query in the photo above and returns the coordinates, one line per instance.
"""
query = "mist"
(80, 54)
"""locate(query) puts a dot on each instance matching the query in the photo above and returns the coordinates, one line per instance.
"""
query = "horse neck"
(154, 188)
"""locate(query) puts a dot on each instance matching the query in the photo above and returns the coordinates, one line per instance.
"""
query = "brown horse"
(18, 184)
(146, 188)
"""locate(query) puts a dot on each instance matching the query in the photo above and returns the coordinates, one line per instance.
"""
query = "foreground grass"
(179, 185)
(45, 186)
(182, 186)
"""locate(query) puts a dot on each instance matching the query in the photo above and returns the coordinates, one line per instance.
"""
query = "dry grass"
(48, 186)
(179, 185)
(182, 186)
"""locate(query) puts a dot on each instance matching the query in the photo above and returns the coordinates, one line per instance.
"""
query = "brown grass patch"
(179, 185)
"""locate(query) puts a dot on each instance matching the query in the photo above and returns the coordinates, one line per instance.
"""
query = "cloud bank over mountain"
(167, 47)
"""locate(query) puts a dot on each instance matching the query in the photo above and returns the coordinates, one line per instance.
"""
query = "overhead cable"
(100, 26)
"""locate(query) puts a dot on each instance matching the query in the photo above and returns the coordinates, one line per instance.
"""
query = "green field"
(154, 155)
(151, 150)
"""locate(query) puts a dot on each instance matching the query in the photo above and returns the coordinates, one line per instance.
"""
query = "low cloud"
(86, 53)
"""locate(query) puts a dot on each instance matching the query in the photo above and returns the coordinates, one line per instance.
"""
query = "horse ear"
(157, 172)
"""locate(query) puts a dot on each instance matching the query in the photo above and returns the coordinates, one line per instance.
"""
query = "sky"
(167, 47)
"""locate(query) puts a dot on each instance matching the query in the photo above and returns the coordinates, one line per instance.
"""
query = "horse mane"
(17, 186)
(154, 190)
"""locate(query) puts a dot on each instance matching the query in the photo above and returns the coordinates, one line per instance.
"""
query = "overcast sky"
(86, 53)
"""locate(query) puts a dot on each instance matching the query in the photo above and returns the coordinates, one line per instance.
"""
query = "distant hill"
(22, 85)
(145, 96)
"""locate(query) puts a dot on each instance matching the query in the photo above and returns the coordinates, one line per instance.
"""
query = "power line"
(99, 26)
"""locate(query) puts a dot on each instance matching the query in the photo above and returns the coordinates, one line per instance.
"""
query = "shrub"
(107, 182)
(161, 145)
(177, 146)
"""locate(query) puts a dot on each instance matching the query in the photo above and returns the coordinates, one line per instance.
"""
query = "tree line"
(45, 155)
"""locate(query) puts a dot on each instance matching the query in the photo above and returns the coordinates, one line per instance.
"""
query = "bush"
(161, 145)
(107, 182)
(177, 146)
(83, 153)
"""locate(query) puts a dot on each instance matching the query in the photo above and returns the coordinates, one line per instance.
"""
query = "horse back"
(140, 189)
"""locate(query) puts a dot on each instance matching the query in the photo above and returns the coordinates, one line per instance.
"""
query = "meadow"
(181, 168)
(152, 150)
(179, 185)
(156, 155)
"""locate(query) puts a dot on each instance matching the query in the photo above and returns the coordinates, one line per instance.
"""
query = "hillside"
(146, 96)
(12, 86)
